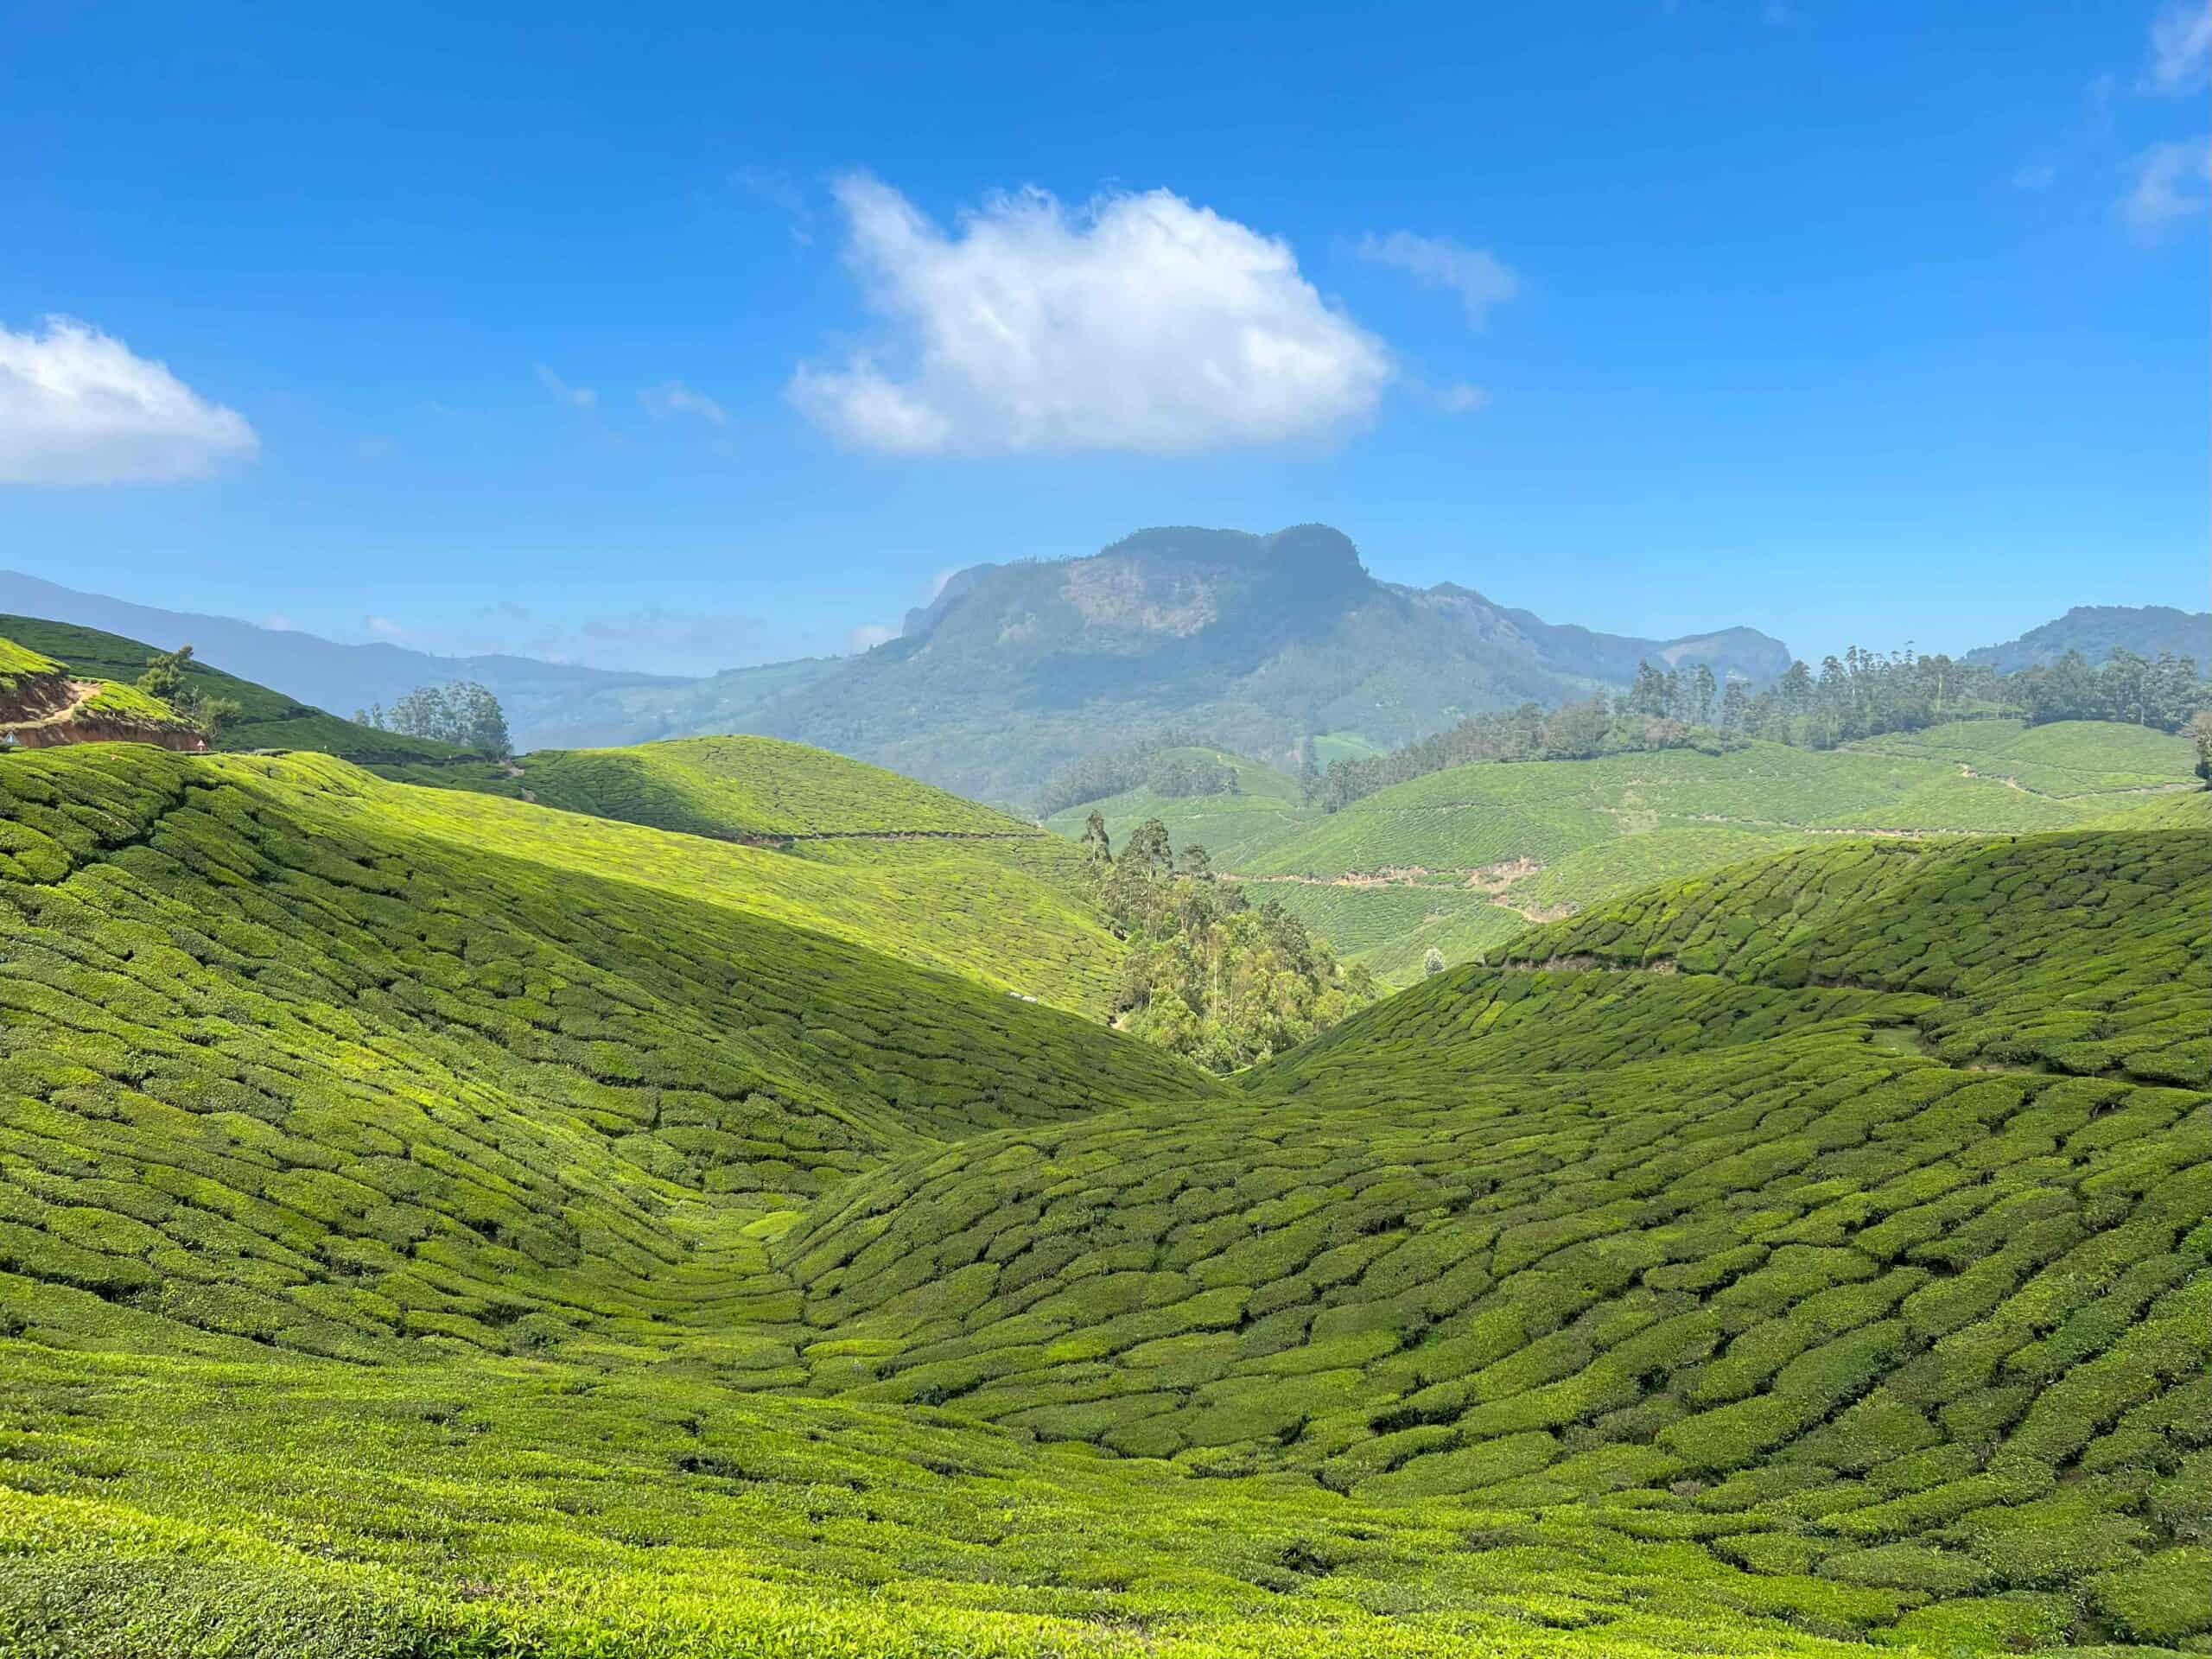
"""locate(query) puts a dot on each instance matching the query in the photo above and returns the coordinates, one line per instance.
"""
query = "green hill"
(1263, 808)
(433, 1225)
(1465, 857)
(751, 788)
(877, 859)
(266, 720)
(400, 1061)
(2097, 630)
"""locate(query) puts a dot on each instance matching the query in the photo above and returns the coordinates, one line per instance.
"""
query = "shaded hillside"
(2097, 630)
(708, 1285)
(751, 788)
(436, 1071)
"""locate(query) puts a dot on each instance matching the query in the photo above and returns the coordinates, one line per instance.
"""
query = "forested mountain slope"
(438, 1224)
(2097, 630)
(1017, 669)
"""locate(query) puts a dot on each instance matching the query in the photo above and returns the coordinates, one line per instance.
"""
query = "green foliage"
(1210, 976)
(1548, 837)
(434, 1224)
(460, 713)
(1653, 718)
(1174, 767)
(131, 705)
(264, 719)
(753, 788)
(19, 663)
(2081, 953)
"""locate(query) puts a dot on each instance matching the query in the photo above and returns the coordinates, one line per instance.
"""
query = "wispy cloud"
(1137, 323)
(673, 397)
(2180, 48)
(1476, 275)
(869, 635)
(2037, 176)
(574, 396)
(2167, 188)
(78, 406)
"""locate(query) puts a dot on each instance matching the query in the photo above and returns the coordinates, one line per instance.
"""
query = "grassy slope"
(19, 662)
(269, 720)
(751, 786)
(1598, 828)
(875, 858)
(1264, 807)
(289, 1059)
(1591, 1311)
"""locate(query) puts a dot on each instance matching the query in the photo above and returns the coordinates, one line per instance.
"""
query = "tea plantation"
(436, 1225)
(266, 718)
(1535, 839)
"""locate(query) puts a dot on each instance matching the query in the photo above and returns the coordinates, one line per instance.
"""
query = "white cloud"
(577, 396)
(1478, 276)
(674, 398)
(1460, 398)
(2181, 48)
(869, 635)
(278, 619)
(938, 581)
(1138, 323)
(382, 627)
(2170, 187)
(78, 407)
(2035, 175)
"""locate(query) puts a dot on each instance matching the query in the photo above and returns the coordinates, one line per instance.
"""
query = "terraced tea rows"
(265, 720)
(2083, 953)
(282, 1065)
(1580, 832)
(741, 788)
(436, 1224)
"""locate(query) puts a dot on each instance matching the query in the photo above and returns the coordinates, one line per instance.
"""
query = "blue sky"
(662, 335)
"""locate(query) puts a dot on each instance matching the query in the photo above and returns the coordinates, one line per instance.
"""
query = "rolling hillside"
(432, 1223)
(1463, 859)
(1015, 669)
(267, 719)
(1261, 810)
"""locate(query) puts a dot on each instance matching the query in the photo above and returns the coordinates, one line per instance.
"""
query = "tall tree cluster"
(1152, 765)
(460, 712)
(165, 679)
(1211, 975)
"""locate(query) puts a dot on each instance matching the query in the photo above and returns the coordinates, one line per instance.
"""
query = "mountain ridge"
(2096, 631)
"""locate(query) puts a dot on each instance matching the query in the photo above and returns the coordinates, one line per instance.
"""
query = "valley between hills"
(710, 1199)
